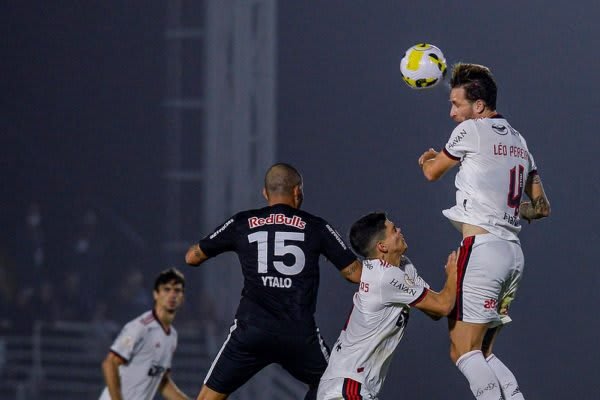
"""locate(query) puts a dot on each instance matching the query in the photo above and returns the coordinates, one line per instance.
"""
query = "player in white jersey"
(139, 362)
(389, 287)
(496, 169)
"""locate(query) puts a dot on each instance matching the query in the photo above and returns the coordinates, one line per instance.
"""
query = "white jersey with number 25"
(494, 166)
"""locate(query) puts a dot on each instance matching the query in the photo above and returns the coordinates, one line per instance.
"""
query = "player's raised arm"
(195, 255)
(435, 164)
(441, 304)
(539, 206)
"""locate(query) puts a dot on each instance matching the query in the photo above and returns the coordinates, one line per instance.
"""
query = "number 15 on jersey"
(283, 245)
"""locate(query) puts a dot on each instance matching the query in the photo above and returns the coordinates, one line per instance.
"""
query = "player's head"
(168, 289)
(169, 275)
(473, 92)
(373, 236)
(282, 181)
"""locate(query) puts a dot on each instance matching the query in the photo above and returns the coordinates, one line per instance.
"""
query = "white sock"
(482, 380)
(508, 382)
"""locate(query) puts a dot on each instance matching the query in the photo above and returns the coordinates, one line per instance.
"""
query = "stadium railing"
(61, 360)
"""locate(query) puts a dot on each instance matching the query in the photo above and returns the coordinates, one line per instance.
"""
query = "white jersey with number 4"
(494, 166)
(376, 324)
(148, 351)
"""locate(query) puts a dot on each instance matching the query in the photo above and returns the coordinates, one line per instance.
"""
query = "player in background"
(278, 247)
(496, 169)
(389, 287)
(139, 362)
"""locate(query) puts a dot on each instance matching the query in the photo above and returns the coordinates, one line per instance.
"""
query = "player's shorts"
(343, 388)
(249, 348)
(489, 272)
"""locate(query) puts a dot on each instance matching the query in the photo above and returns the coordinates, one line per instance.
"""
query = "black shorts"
(249, 348)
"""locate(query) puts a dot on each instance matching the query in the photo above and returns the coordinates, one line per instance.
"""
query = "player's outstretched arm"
(110, 370)
(170, 391)
(440, 304)
(195, 255)
(539, 206)
(435, 164)
(352, 272)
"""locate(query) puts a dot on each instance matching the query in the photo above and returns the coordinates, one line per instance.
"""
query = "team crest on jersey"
(127, 342)
(500, 129)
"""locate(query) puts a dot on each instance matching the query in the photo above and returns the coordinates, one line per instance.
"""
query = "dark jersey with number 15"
(278, 247)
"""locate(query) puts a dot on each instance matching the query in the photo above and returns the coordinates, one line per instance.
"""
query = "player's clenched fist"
(428, 155)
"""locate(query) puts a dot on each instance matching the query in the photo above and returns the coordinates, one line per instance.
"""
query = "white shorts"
(343, 388)
(489, 272)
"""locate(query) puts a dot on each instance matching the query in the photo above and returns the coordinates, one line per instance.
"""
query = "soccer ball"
(423, 66)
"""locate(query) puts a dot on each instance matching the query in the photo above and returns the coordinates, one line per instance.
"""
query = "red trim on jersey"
(166, 329)
(385, 263)
(348, 318)
(446, 152)
(351, 389)
(420, 298)
(149, 318)
(463, 259)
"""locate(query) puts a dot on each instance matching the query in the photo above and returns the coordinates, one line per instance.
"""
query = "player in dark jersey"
(278, 247)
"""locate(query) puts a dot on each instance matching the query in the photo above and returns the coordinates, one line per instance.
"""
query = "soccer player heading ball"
(496, 169)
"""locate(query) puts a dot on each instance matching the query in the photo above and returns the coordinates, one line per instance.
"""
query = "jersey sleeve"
(222, 239)
(463, 140)
(334, 247)
(129, 340)
(402, 286)
(532, 165)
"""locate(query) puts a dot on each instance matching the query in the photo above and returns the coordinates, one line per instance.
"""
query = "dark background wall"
(356, 131)
(81, 125)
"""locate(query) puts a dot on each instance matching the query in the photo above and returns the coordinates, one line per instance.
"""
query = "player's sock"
(482, 380)
(508, 382)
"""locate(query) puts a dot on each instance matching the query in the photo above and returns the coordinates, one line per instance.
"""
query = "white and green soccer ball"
(423, 66)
